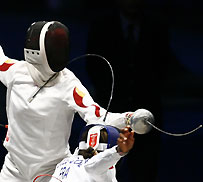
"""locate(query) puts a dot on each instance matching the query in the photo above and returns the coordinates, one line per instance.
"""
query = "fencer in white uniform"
(42, 98)
(100, 167)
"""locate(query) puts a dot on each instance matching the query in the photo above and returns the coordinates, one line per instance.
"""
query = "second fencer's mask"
(93, 137)
(46, 50)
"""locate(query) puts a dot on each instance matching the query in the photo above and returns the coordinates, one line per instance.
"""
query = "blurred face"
(131, 9)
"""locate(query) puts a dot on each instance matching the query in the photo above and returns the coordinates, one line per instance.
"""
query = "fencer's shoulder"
(10, 68)
(66, 71)
(8, 64)
(68, 75)
(18, 65)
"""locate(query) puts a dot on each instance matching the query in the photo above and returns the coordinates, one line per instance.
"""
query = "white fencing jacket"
(99, 168)
(39, 131)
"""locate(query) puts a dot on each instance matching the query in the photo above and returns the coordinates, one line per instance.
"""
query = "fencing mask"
(46, 51)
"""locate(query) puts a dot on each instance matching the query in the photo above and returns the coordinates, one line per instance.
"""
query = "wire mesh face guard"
(93, 137)
(47, 46)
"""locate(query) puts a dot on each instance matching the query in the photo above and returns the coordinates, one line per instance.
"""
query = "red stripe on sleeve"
(78, 99)
(5, 66)
(97, 110)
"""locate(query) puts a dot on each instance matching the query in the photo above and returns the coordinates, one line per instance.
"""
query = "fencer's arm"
(101, 162)
(5, 64)
(114, 119)
(117, 119)
(90, 111)
(3, 58)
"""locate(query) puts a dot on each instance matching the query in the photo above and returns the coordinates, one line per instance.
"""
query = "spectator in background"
(137, 47)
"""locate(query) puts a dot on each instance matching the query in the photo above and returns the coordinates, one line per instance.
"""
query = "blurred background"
(181, 91)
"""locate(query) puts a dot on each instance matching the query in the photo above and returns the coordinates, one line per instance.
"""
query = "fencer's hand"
(126, 140)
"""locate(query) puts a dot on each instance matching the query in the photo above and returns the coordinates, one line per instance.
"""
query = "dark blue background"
(181, 158)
